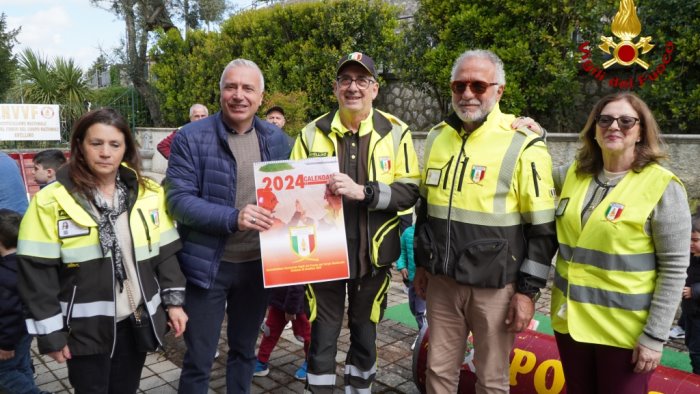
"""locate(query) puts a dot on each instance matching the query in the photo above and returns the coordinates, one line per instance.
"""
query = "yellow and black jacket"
(392, 168)
(487, 217)
(67, 283)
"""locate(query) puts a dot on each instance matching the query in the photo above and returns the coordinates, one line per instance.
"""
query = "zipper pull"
(535, 178)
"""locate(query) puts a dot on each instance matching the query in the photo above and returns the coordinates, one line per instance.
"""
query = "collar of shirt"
(366, 125)
(234, 131)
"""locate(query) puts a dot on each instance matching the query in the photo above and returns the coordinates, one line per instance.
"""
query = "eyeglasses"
(477, 87)
(362, 82)
(624, 122)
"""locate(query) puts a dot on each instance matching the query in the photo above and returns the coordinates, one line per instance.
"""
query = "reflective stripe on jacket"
(67, 283)
(606, 271)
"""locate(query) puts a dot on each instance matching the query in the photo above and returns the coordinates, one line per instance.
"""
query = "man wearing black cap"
(275, 115)
(378, 177)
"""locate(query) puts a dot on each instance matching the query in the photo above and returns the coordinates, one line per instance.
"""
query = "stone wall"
(417, 109)
(684, 154)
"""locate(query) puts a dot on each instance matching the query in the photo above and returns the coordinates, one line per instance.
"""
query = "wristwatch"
(534, 296)
(369, 194)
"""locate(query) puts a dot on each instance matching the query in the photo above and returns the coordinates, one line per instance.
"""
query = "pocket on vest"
(425, 249)
(483, 263)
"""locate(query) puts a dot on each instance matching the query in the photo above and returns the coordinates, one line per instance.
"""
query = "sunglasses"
(624, 122)
(477, 87)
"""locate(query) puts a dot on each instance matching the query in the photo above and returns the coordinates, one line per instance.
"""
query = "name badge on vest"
(561, 207)
(318, 154)
(432, 177)
(68, 228)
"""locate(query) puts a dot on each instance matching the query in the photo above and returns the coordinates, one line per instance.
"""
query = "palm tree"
(37, 85)
(71, 87)
(59, 82)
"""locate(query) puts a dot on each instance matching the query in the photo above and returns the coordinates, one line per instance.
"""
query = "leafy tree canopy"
(8, 63)
(538, 42)
(296, 45)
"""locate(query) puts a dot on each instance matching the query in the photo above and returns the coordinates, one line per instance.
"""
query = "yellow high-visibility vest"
(606, 270)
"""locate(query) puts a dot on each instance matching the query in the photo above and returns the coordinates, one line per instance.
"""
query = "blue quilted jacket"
(201, 190)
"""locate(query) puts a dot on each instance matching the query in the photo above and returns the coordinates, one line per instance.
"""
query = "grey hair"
(484, 54)
(196, 106)
(242, 63)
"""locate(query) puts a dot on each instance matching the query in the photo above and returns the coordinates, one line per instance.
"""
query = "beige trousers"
(453, 311)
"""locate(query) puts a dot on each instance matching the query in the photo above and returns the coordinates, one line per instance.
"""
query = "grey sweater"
(669, 227)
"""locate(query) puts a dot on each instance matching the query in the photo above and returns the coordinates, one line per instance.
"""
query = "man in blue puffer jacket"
(211, 193)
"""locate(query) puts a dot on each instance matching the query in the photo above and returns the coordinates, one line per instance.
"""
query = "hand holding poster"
(307, 241)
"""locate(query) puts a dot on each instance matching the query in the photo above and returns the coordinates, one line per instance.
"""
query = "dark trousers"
(599, 369)
(366, 304)
(100, 374)
(237, 289)
(691, 324)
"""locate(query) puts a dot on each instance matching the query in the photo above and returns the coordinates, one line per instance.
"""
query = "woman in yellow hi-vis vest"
(622, 224)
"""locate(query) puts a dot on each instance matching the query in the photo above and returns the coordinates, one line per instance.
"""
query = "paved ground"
(162, 370)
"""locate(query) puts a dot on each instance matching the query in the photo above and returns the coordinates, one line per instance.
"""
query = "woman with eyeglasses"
(97, 264)
(622, 226)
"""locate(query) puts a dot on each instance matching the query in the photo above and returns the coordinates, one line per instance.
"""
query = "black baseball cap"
(359, 58)
(276, 108)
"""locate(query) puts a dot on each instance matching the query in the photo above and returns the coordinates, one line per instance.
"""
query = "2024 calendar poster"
(307, 241)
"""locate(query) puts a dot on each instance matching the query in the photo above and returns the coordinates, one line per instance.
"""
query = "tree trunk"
(137, 56)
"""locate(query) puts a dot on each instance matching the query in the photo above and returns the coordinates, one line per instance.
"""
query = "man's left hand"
(520, 312)
(342, 185)
(527, 123)
(177, 320)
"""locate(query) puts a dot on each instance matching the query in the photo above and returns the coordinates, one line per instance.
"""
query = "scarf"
(106, 222)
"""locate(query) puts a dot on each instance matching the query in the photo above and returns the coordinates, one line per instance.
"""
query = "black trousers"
(100, 374)
(366, 304)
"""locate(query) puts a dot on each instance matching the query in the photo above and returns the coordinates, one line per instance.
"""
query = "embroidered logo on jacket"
(614, 211)
(478, 173)
(385, 164)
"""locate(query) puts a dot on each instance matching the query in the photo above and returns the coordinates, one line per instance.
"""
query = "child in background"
(46, 163)
(286, 304)
(407, 266)
(16, 375)
(690, 305)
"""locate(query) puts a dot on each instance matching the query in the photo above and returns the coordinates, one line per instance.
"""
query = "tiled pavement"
(162, 370)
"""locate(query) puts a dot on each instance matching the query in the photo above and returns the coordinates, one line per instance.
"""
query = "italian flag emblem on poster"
(303, 240)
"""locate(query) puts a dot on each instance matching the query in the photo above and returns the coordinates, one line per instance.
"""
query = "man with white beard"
(485, 232)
